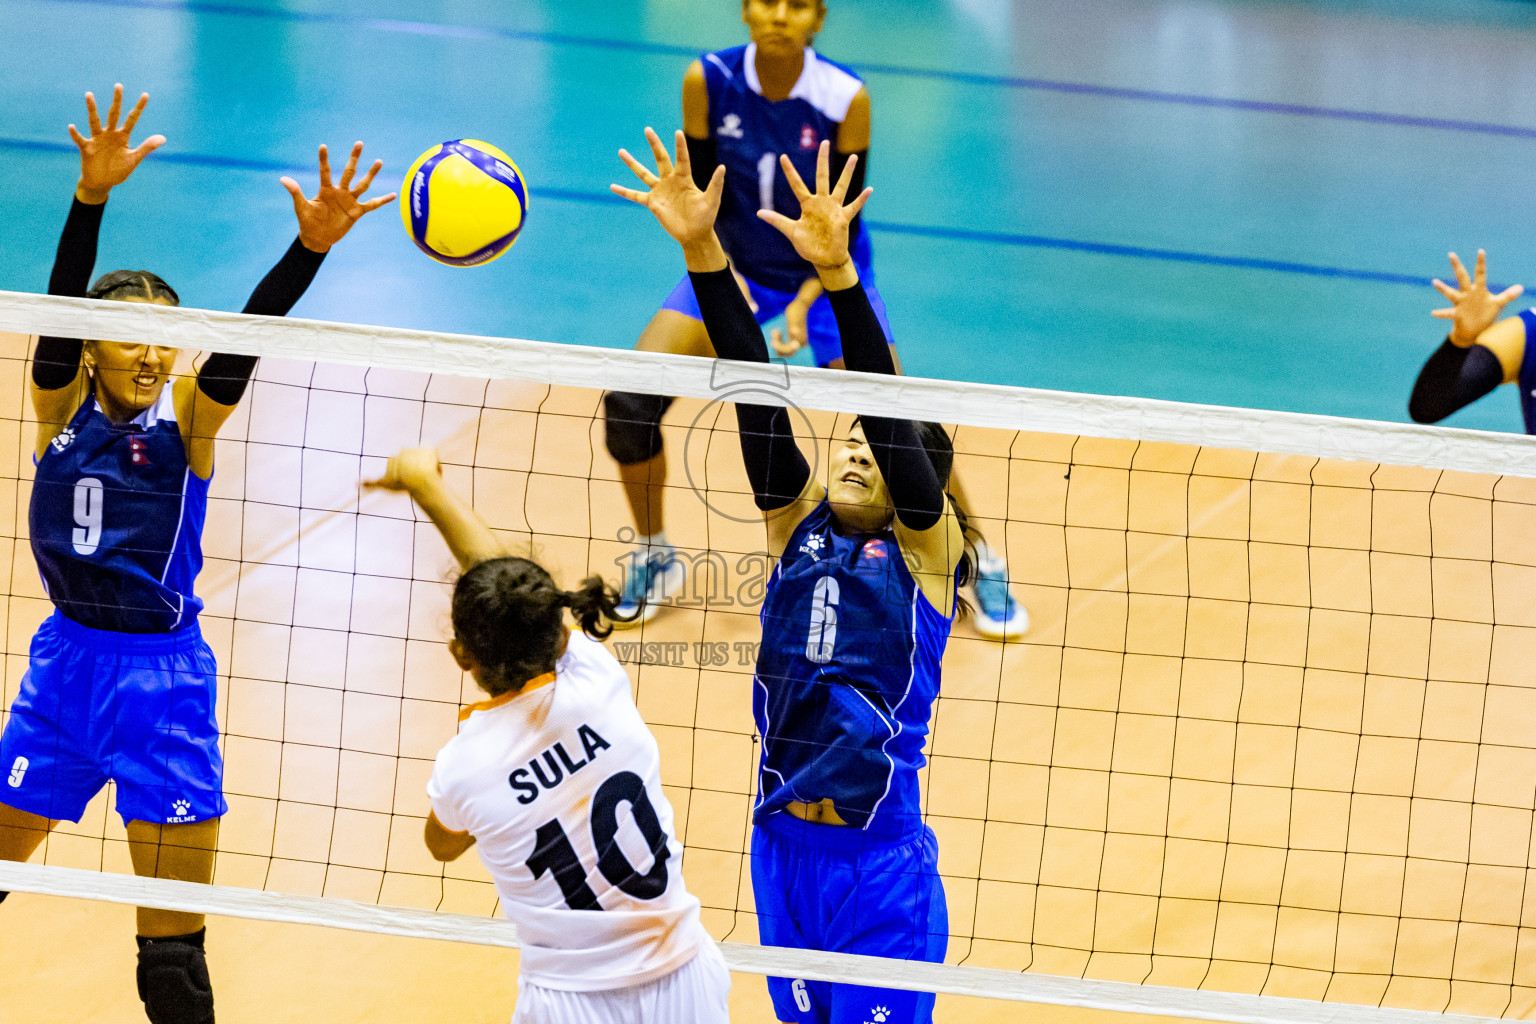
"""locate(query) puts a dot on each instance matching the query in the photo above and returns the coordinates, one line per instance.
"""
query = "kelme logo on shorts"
(18, 771)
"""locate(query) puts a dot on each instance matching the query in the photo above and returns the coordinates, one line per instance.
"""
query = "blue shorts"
(820, 324)
(831, 888)
(136, 708)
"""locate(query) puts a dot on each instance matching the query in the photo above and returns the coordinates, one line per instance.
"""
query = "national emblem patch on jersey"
(808, 139)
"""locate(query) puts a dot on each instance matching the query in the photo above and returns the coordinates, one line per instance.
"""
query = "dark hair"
(147, 285)
(507, 615)
(940, 448)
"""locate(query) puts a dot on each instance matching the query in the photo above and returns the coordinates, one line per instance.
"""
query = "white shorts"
(696, 993)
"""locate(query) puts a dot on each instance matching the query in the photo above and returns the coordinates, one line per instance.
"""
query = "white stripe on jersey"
(542, 780)
(824, 86)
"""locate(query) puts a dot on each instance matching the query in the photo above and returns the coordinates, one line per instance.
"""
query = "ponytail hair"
(940, 448)
(508, 615)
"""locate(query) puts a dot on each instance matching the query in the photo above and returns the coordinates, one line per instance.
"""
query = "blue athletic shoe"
(648, 584)
(999, 616)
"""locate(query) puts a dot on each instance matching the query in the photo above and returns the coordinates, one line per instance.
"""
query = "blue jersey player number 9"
(90, 502)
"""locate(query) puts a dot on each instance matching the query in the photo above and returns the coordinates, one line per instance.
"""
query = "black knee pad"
(173, 980)
(634, 425)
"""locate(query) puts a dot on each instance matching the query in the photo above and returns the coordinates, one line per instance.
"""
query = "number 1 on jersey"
(765, 171)
(90, 499)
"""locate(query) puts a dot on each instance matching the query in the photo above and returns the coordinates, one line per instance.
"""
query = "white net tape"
(847, 968)
(958, 402)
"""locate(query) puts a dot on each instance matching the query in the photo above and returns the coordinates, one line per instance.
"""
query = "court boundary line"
(1004, 238)
(811, 965)
(1024, 82)
(656, 373)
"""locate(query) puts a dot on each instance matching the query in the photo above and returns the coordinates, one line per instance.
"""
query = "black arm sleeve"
(57, 360)
(703, 157)
(775, 466)
(285, 283)
(224, 377)
(915, 488)
(1454, 377)
(860, 171)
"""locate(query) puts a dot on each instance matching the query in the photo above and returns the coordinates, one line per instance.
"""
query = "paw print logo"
(181, 807)
(880, 1014)
(813, 545)
(61, 442)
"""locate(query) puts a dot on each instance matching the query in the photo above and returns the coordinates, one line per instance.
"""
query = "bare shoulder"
(695, 102)
(1506, 340)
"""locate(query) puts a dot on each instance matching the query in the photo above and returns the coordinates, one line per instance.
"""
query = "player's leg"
(999, 615)
(632, 429)
(652, 572)
(896, 909)
(165, 759)
(788, 915)
(49, 772)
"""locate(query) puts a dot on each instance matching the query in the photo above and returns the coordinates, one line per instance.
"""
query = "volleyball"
(464, 202)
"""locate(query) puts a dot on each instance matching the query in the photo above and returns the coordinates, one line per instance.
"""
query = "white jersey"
(561, 788)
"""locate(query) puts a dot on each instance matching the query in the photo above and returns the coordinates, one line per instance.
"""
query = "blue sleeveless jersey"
(750, 133)
(117, 521)
(846, 678)
(1527, 382)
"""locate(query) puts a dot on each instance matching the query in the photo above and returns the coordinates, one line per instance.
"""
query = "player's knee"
(173, 980)
(634, 425)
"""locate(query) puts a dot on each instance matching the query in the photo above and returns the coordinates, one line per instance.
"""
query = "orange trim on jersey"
(432, 817)
(510, 695)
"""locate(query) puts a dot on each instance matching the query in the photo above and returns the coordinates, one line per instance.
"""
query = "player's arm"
(1480, 352)
(417, 472)
(780, 476)
(107, 160)
(203, 403)
(925, 524)
(444, 844)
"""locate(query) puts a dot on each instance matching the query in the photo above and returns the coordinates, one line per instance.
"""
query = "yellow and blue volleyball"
(464, 202)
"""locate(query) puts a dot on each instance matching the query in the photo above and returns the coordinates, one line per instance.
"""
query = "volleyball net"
(1267, 752)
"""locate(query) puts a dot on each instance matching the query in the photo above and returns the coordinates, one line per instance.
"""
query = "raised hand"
(686, 214)
(326, 219)
(106, 158)
(409, 470)
(820, 236)
(1473, 310)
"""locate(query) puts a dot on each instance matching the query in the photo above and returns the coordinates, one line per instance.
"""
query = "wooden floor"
(1271, 728)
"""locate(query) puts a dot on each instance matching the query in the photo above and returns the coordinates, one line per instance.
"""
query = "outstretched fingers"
(93, 116)
(1446, 290)
(784, 225)
(846, 178)
(796, 183)
(680, 147)
(854, 207)
(632, 195)
(77, 138)
(351, 166)
(663, 160)
(1509, 294)
(362, 186)
(1480, 275)
(325, 166)
(295, 191)
(374, 204)
(823, 167)
(146, 147)
(1462, 277)
(641, 171)
(133, 115)
(117, 107)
